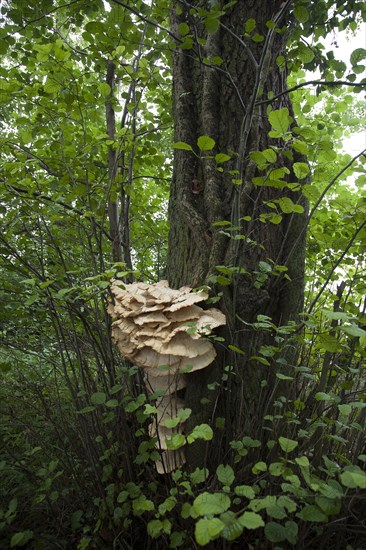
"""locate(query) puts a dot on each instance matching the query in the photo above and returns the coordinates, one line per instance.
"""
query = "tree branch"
(37, 195)
(312, 83)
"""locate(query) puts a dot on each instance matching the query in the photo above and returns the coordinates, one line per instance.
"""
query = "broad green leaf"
(277, 468)
(225, 474)
(275, 532)
(183, 29)
(357, 55)
(212, 24)
(287, 445)
(221, 158)
(345, 409)
(244, 491)
(98, 398)
(280, 120)
(112, 403)
(302, 461)
(154, 528)
(300, 146)
(150, 409)
(353, 477)
(259, 467)
(251, 520)
(199, 475)
(270, 155)
(301, 13)
(312, 513)
(21, 538)
(182, 145)
(207, 530)
(336, 315)
(142, 504)
(202, 431)
(168, 505)
(104, 89)
(176, 442)
(301, 169)
(354, 330)
(122, 497)
(288, 206)
(211, 503)
(205, 143)
(330, 506)
(250, 25)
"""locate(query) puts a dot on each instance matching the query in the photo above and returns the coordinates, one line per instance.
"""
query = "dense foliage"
(86, 131)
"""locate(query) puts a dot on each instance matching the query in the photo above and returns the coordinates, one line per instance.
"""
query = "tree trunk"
(222, 101)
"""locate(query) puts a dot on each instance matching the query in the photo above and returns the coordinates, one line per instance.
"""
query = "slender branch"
(45, 14)
(332, 182)
(37, 195)
(241, 41)
(31, 155)
(312, 83)
(338, 262)
(147, 20)
(65, 41)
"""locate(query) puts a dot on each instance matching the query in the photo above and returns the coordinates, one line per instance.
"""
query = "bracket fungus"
(164, 332)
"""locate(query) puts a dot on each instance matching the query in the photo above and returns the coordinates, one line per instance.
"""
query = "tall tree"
(237, 213)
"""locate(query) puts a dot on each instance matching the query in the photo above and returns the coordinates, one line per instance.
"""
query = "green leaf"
(211, 503)
(250, 25)
(300, 146)
(207, 530)
(104, 89)
(150, 409)
(280, 120)
(98, 398)
(205, 143)
(302, 461)
(274, 532)
(86, 410)
(251, 520)
(183, 29)
(176, 442)
(122, 497)
(287, 445)
(288, 206)
(281, 376)
(202, 431)
(301, 169)
(354, 330)
(345, 409)
(336, 315)
(259, 467)
(221, 158)
(199, 475)
(270, 155)
(357, 55)
(182, 145)
(237, 350)
(112, 403)
(353, 477)
(301, 13)
(212, 24)
(154, 528)
(244, 491)
(21, 538)
(225, 474)
(312, 513)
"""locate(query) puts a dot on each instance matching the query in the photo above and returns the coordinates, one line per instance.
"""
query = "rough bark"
(220, 103)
